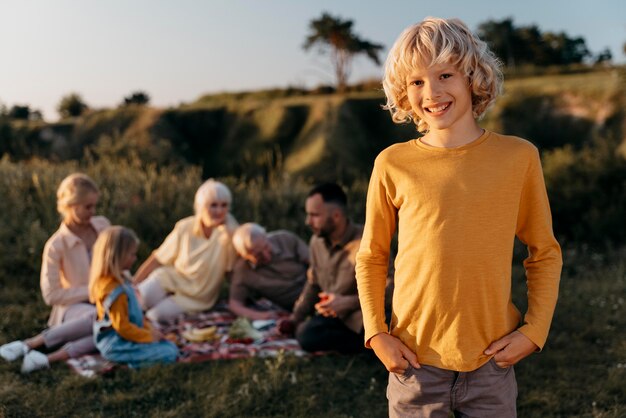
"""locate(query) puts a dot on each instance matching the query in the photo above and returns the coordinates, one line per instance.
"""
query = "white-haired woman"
(185, 274)
(65, 277)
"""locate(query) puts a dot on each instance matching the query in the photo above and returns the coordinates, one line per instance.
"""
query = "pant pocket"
(407, 373)
(497, 368)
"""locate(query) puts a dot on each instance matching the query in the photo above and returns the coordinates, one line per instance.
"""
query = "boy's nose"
(432, 90)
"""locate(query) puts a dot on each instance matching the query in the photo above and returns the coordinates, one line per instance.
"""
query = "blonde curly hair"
(440, 41)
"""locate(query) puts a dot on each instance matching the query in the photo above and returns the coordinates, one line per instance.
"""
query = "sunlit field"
(580, 373)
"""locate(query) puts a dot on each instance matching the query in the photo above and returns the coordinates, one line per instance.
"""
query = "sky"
(177, 51)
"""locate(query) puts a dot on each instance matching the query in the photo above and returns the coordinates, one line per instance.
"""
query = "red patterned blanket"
(220, 346)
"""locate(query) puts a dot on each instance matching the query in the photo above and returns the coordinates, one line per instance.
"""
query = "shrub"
(142, 196)
(71, 106)
(587, 191)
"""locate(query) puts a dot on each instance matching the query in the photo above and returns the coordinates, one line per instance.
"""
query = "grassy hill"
(577, 120)
(325, 136)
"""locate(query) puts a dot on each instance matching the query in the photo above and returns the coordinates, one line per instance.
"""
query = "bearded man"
(327, 315)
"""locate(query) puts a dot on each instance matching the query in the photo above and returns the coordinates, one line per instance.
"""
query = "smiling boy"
(458, 196)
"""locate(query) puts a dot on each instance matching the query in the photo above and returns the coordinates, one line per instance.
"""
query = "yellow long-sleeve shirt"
(118, 313)
(457, 212)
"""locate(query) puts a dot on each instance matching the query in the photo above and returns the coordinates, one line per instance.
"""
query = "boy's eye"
(446, 75)
(416, 83)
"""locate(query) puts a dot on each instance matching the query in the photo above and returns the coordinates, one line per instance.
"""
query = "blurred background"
(176, 52)
(151, 97)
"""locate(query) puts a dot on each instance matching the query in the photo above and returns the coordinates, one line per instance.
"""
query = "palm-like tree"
(335, 35)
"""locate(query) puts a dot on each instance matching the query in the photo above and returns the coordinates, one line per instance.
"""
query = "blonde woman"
(65, 277)
(186, 272)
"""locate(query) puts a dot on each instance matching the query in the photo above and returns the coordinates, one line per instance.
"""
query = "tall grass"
(580, 373)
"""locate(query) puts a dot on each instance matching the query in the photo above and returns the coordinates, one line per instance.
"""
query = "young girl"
(120, 332)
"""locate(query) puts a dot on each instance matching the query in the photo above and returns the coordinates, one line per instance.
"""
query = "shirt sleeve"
(167, 252)
(544, 261)
(226, 241)
(118, 314)
(238, 289)
(372, 261)
(52, 291)
(309, 296)
(230, 256)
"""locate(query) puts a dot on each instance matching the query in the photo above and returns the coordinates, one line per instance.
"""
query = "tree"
(35, 115)
(335, 35)
(565, 50)
(137, 97)
(501, 39)
(19, 112)
(528, 45)
(72, 106)
(604, 56)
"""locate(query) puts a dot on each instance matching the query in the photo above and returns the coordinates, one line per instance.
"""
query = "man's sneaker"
(34, 360)
(13, 351)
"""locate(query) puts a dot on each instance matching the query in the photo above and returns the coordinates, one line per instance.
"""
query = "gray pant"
(76, 331)
(488, 391)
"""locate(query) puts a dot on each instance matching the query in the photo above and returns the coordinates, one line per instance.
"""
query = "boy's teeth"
(437, 109)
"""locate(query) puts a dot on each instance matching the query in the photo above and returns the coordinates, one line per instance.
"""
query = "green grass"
(590, 85)
(580, 373)
(286, 387)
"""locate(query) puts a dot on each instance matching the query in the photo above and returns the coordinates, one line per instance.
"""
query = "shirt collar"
(71, 238)
(348, 236)
(229, 226)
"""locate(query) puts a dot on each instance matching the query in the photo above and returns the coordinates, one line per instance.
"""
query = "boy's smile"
(440, 95)
(437, 109)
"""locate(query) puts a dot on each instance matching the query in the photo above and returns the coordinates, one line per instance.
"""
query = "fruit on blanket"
(242, 328)
(190, 336)
(207, 332)
(198, 335)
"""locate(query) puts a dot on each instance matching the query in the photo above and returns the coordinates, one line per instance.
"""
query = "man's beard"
(327, 229)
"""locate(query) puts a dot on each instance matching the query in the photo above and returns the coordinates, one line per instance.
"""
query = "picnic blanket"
(221, 347)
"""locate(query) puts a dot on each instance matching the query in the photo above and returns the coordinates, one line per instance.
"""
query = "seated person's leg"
(324, 334)
(77, 327)
(154, 353)
(81, 346)
(76, 324)
(166, 311)
(78, 310)
(151, 291)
